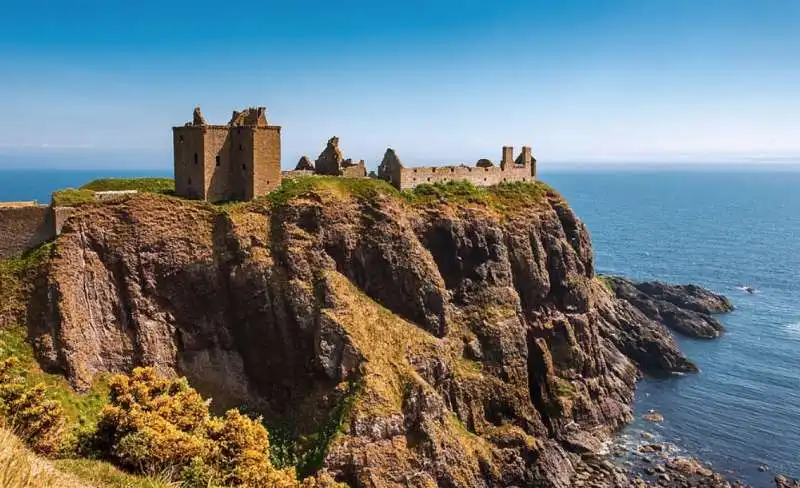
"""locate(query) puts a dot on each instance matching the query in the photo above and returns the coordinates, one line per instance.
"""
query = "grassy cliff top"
(152, 185)
(70, 197)
(503, 197)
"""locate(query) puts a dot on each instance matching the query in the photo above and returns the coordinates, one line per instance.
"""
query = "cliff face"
(428, 344)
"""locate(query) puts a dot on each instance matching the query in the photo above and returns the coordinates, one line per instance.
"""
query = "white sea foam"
(793, 328)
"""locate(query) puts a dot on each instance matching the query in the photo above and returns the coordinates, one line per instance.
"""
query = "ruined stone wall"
(296, 173)
(411, 177)
(355, 171)
(189, 150)
(60, 216)
(266, 165)
(24, 227)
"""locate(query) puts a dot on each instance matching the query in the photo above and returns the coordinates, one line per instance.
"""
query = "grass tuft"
(70, 197)
(363, 188)
(503, 197)
(20, 468)
(149, 185)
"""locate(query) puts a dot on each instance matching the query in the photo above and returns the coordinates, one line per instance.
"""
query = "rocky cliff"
(399, 341)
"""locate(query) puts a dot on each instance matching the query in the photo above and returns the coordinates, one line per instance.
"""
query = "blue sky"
(602, 80)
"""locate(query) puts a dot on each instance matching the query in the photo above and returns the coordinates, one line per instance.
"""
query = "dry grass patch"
(20, 468)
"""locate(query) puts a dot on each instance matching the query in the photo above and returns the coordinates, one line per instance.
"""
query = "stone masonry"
(331, 162)
(237, 161)
(484, 173)
(24, 226)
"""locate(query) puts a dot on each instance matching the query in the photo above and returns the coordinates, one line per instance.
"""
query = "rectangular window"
(217, 160)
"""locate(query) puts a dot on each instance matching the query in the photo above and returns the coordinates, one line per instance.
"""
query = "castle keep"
(237, 161)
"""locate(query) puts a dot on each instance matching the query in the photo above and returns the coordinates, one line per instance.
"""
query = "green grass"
(150, 185)
(103, 474)
(505, 197)
(313, 448)
(451, 191)
(606, 281)
(12, 279)
(363, 188)
(71, 197)
(564, 388)
(82, 409)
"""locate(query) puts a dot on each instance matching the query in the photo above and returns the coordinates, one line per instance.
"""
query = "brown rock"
(653, 416)
(328, 300)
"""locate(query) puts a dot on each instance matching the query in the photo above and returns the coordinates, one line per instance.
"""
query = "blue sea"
(721, 228)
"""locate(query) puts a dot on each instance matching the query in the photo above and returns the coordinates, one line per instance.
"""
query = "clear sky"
(438, 81)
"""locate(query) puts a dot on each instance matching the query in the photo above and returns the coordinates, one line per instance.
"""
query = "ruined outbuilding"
(236, 161)
(485, 173)
(331, 162)
(304, 164)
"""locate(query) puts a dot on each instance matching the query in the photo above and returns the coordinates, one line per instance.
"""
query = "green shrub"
(28, 412)
(153, 423)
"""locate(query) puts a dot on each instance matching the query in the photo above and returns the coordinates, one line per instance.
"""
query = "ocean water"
(721, 229)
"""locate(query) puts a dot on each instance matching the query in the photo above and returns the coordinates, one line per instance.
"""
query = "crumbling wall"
(353, 170)
(483, 174)
(23, 227)
(304, 164)
(330, 159)
(60, 216)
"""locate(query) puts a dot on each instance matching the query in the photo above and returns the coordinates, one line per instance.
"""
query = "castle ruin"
(237, 161)
(242, 160)
(485, 173)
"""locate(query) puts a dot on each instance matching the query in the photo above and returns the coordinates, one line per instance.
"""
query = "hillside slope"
(423, 340)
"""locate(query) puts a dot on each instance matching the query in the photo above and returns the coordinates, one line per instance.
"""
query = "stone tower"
(237, 161)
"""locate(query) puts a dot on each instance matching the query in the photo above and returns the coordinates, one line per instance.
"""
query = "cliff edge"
(423, 340)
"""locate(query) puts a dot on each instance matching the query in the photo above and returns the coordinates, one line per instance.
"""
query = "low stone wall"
(296, 173)
(23, 228)
(112, 195)
(354, 171)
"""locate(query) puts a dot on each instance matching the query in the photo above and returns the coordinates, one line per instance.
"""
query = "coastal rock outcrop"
(686, 309)
(784, 482)
(420, 344)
